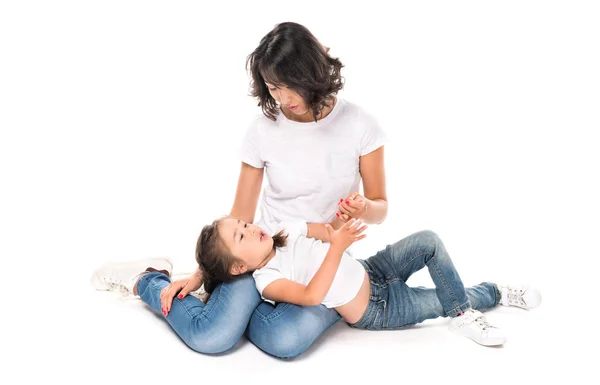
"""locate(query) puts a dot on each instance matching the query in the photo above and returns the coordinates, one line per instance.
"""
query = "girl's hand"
(349, 233)
(354, 206)
(181, 286)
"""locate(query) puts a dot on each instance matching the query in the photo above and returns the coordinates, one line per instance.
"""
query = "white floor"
(120, 123)
(113, 340)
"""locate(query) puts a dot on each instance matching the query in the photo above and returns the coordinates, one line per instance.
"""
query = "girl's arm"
(284, 290)
(372, 171)
(247, 193)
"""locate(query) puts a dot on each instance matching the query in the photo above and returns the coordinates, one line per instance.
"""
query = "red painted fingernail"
(347, 202)
(341, 199)
(337, 215)
(180, 296)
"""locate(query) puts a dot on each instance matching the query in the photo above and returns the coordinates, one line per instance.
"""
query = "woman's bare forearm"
(376, 212)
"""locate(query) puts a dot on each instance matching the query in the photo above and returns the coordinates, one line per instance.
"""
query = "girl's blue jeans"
(285, 330)
(394, 304)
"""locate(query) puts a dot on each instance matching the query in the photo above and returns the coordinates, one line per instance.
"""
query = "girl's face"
(289, 100)
(247, 242)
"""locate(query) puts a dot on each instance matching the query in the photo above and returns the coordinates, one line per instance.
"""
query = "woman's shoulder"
(359, 116)
(259, 124)
(355, 111)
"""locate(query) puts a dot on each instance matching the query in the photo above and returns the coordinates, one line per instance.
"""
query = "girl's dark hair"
(291, 56)
(214, 258)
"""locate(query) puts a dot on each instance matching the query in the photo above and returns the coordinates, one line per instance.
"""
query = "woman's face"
(288, 99)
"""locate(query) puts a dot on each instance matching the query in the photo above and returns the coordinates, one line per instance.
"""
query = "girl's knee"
(428, 236)
(425, 241)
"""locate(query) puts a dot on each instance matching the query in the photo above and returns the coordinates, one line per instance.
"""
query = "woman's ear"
(238, 268)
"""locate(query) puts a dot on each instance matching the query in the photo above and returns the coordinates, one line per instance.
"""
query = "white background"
(120, 122)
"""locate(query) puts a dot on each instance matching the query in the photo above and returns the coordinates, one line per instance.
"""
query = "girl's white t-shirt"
(300, 260)
(309, 167)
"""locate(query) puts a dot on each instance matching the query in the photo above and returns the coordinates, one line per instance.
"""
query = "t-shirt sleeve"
(373, 136)
(293, 228)
(264, 277)
(249, 151)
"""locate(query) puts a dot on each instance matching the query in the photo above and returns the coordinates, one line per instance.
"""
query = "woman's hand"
(181, 286)
(349, 233)
(353, 206)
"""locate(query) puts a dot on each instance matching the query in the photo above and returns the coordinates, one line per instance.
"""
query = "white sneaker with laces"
(525, 297)
(121, 276)
(472, 324)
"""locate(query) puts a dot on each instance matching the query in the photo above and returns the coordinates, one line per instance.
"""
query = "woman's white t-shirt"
(309, 167)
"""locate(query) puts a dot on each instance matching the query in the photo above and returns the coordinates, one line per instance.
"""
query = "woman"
(315, 149)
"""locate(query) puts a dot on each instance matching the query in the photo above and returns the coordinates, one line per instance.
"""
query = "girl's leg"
(286, 330)
(394, 304)
(213, 327)
(399, 261)
(483, 296)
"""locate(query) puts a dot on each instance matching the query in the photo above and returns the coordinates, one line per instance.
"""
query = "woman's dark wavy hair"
(291, 56)
(215, 259)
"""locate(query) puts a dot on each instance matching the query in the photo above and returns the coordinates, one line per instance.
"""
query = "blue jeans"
(283, 331)
(394, 304)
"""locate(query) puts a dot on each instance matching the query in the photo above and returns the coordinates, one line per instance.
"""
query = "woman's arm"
(319, 231)
(247, 193)
(372, 171)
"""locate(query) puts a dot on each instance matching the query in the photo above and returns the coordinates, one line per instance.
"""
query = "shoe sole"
(100, 286)
(489, 342)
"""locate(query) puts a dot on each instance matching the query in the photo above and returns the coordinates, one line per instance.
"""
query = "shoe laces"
(477, 318)
(483, 323)
(116, 286)
(515, 296)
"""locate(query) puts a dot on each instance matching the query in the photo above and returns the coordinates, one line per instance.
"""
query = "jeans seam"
(409, 262)
(445, 285)
(274, 314)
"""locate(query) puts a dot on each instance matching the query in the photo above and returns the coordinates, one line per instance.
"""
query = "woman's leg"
(392, 266)
(286, 330)
(213, 327)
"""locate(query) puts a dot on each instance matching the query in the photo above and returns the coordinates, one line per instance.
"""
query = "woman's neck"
(308, 116)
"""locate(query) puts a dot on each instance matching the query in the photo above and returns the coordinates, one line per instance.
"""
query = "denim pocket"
(379, 322)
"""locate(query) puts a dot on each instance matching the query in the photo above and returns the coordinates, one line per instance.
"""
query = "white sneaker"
(121, 276)
(472, 324)
(525, 297)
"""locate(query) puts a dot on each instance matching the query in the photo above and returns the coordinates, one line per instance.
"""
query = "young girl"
(309, 266)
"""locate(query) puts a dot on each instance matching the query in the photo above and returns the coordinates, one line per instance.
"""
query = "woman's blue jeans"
(283, 331)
